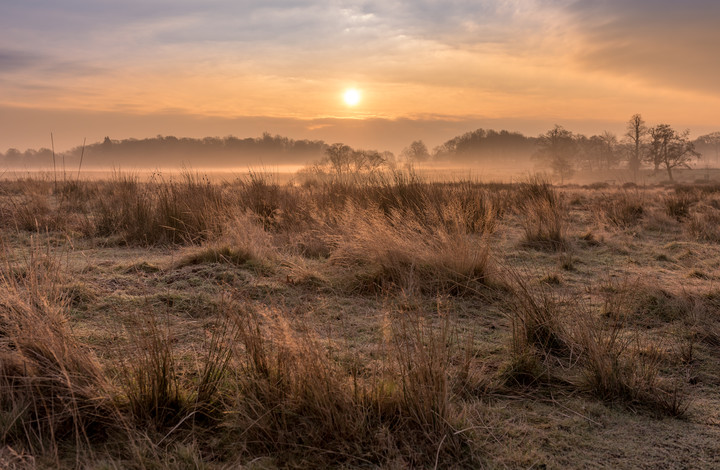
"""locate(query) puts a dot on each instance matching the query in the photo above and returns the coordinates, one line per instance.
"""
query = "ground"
(432, 315)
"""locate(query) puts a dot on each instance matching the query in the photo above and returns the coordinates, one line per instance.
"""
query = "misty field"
(386, 322)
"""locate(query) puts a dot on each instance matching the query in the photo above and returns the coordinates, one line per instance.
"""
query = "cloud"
(136, 28)
(286, 57)
(12, 61)
(663, 42)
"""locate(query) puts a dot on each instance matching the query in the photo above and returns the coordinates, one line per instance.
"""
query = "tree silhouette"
(710, 143)
(558, 147)
(416, 152)
(636, 135)
(670, 149)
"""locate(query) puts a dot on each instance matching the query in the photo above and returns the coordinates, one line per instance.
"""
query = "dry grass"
(52, 388)
(543, 215)
(380, 322)
(613, 362)
(621, 210)
(400, 252)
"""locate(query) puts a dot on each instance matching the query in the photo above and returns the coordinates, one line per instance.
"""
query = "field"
(374, 322)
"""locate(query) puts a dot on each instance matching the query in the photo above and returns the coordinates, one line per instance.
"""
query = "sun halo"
(351, 96)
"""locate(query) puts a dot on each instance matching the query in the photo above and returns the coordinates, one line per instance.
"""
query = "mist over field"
(482, 154)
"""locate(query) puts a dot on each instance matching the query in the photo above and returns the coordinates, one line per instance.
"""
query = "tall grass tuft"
(186, 211)
(152, 384)
(621, 365)
(623, 210)
(400, 252)
(542, 215)
(293, 397)
(52, 388)
(678, 205)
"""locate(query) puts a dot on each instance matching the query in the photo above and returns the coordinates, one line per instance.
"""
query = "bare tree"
(608, 152)
(598, 151)
(713, 142)
(558, 147)
(416, 152)
(339, 156)
(636, 136)
(366, 161)
(670, 149)
(342, 161)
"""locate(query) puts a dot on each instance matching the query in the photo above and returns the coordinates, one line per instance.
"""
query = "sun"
(351, 96)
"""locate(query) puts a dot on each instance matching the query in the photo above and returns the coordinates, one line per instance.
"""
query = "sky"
(425, 69)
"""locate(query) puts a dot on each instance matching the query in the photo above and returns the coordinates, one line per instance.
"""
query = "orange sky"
(426, 69)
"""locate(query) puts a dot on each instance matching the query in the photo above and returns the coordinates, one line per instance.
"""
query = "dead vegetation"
(381, 322)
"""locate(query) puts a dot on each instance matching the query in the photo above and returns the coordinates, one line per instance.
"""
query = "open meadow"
(375, 322)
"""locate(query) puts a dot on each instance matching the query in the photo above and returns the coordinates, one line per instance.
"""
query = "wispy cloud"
(663, 42)
(483, 58)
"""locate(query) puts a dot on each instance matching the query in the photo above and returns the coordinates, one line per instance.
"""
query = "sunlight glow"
(351, 97)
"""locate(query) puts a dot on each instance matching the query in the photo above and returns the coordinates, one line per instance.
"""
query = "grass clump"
(705, 224)
(152, 386)
(623, 210)
(52, 388)
(160, 212)
(292, 396)
(678, 205)
(243, 241)
(542, 213)
(400, 252)
(597, 351)
(621, 365)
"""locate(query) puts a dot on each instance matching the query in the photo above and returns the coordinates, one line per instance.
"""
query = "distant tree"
(389, 157)
(366, 161)
(670, 149)
(341, 160)
(609, 150)
(636, 137)
(13, 157)
(711, 143)
(416, 152)
(599, 151)
(339, 156)
(558, 149)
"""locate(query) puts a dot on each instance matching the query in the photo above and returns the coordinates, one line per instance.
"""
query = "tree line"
(559, 150)
(172, 151)
(660, 146)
